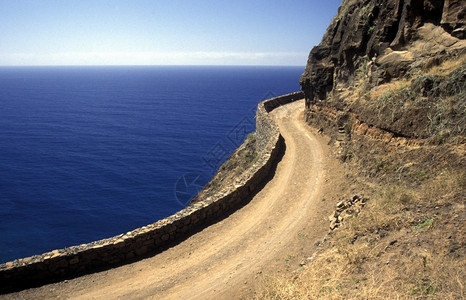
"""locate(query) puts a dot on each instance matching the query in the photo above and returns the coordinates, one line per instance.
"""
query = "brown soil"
(227, 260)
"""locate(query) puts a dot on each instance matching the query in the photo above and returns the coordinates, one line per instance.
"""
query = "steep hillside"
(371, 44)
(387, 84)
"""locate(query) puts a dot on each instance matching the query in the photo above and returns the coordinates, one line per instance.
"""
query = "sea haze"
(91, 152)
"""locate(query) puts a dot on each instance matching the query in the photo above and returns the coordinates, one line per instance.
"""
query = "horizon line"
(155, 65)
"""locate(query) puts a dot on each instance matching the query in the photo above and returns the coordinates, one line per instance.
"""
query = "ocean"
(91, 152)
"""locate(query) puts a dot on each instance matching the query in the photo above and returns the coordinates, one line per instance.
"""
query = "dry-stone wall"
(266, 129)
(104, 253)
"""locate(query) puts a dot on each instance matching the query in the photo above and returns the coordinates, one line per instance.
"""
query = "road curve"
(219, 261)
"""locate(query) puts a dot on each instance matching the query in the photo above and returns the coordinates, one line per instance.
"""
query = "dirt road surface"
(228, 260)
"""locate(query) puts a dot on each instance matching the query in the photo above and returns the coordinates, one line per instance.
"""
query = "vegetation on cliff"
(388, 85)
(238, 162)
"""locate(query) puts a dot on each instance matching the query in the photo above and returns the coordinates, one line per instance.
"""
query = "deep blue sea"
(91, 152)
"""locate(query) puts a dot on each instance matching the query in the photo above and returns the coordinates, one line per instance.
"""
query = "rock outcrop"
(377, 36)
(372, 43)
(346, 209)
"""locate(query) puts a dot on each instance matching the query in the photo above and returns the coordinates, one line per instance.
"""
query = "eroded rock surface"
(379, 33)
(375, 42)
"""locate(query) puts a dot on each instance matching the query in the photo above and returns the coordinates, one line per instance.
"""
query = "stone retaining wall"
(264, 123)
(76, 260)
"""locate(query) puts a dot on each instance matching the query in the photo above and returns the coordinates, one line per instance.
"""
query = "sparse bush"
(427, 224)
(346, 155)
(251, 138)
(362, 70)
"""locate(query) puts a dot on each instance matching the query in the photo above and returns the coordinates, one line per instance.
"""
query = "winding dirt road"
(228, 259)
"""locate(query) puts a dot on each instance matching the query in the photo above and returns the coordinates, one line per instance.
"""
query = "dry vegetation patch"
(406, 244)
(428, 103)
(241, 160)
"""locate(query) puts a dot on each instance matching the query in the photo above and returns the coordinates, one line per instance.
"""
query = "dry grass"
(388, 88)
(390, 251)
(446, 67)
(425, 277)
(442, 70)
(422, 105)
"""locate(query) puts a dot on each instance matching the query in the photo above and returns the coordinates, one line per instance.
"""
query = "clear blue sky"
(161, 32)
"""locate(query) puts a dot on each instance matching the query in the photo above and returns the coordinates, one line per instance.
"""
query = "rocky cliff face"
(388, 85)
(372, 43)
